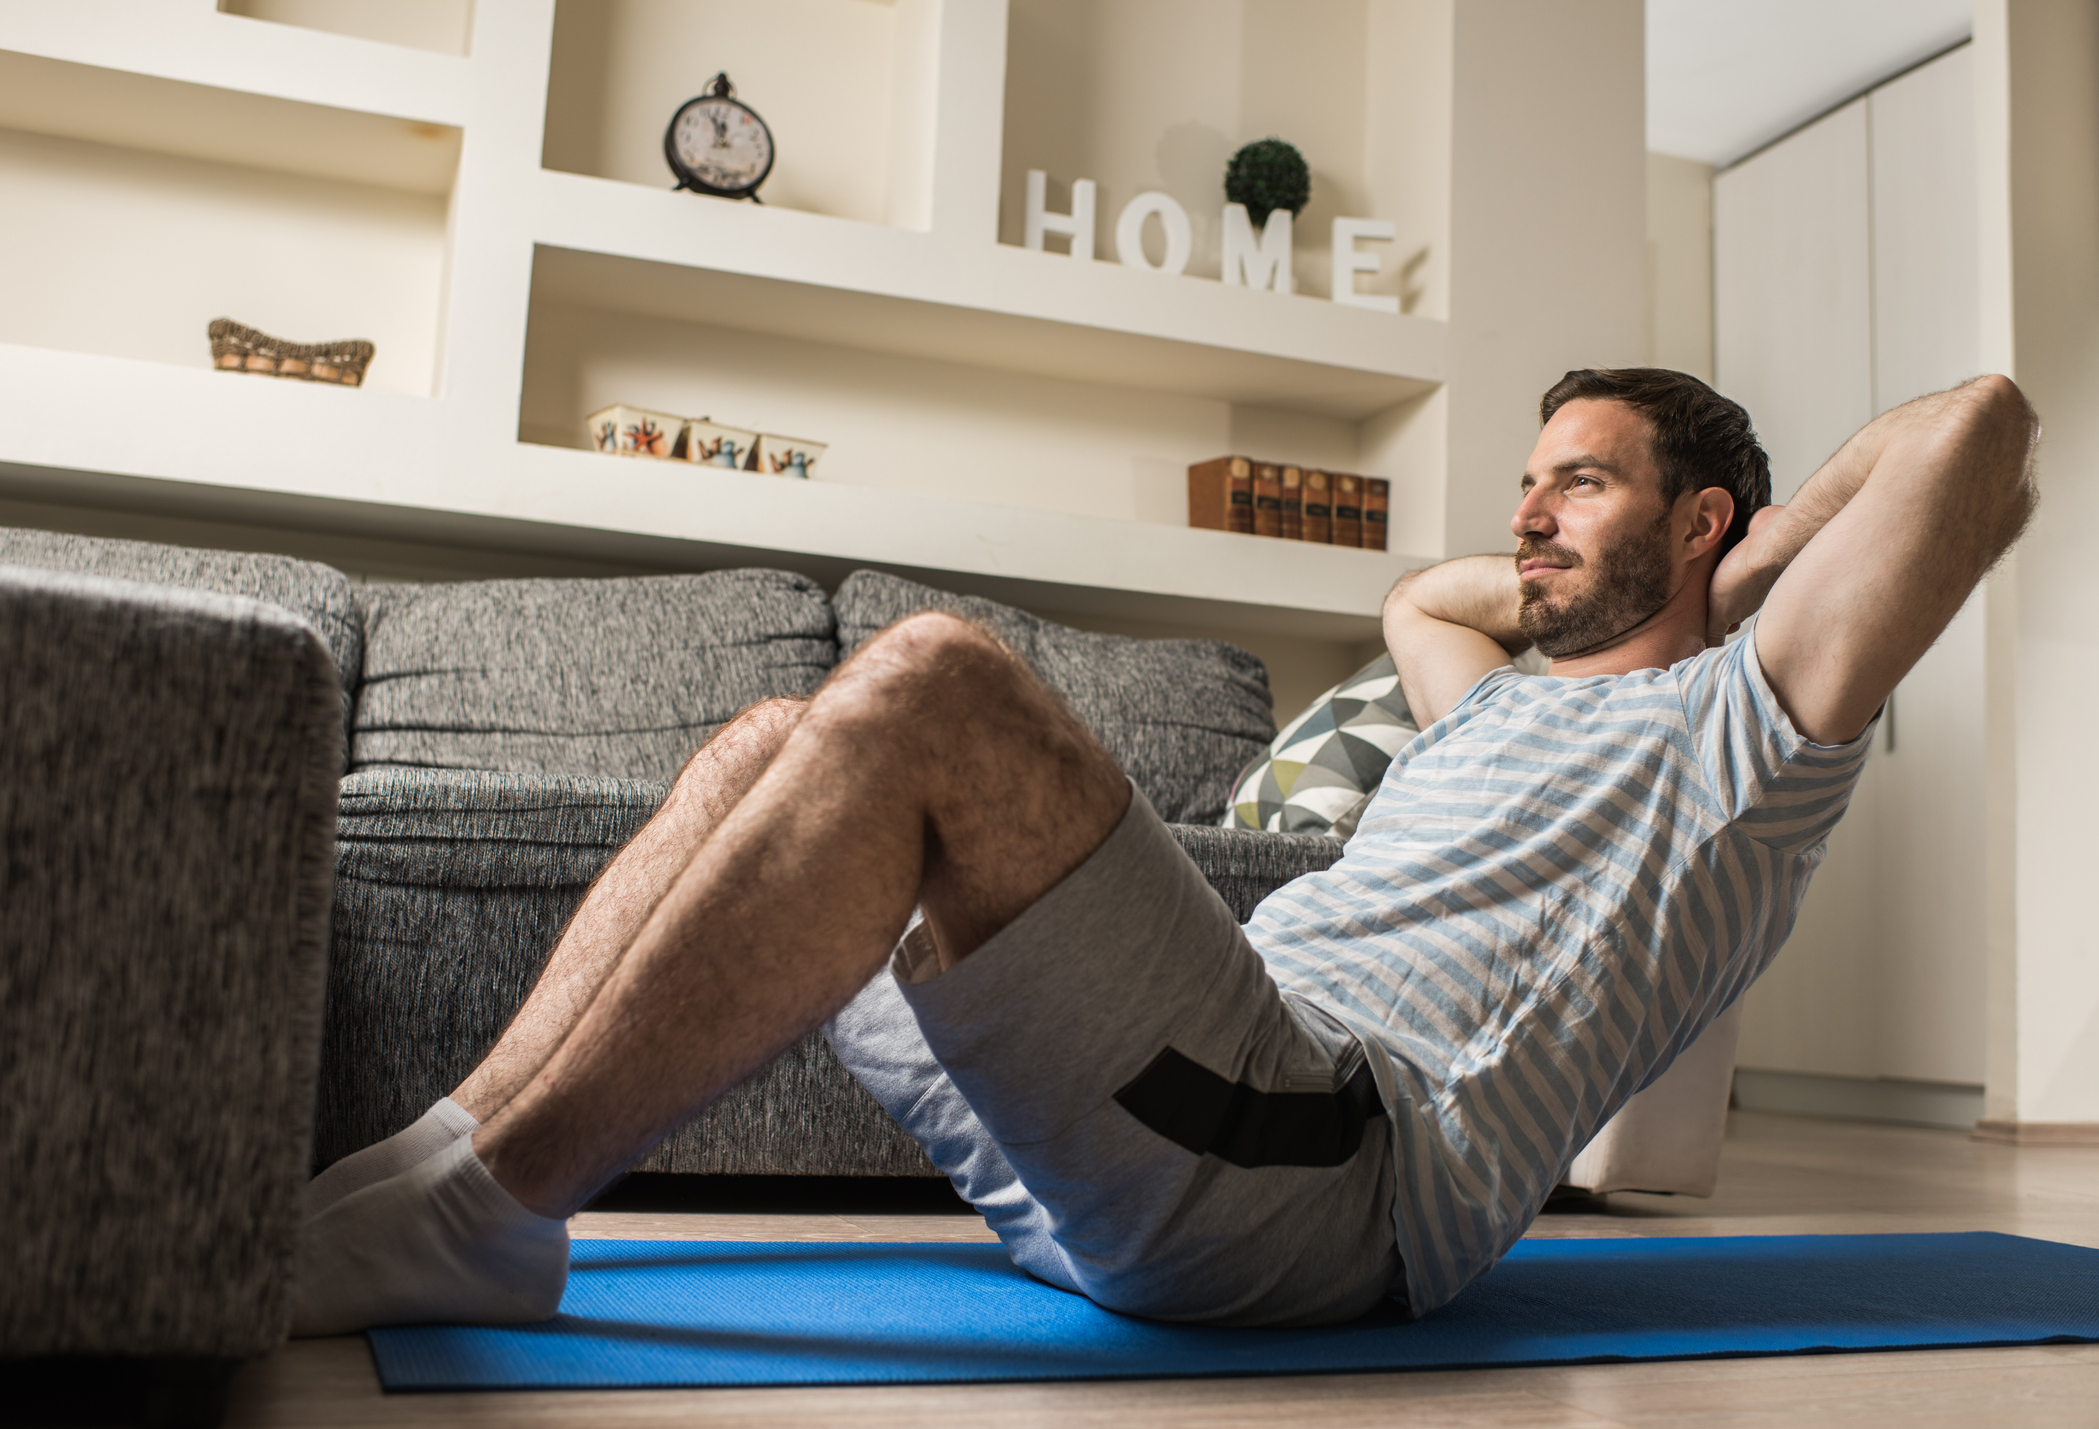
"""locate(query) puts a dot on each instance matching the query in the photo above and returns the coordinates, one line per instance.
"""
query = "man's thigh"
(1114, 1080)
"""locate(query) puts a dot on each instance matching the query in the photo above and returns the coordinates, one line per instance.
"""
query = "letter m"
(1257, 265)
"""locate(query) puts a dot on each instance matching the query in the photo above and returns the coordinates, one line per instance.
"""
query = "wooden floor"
(1782, 1175)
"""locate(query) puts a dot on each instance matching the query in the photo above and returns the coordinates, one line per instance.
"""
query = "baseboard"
(2038, 1133)
(1950, 1106)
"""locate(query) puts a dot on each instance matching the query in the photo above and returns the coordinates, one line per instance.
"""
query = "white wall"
(2038, 133)
(1680, 265)
(1548, 204)
(1846, 282)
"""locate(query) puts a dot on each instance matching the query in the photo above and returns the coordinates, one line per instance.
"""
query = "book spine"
(1348, 510)
(1377, 509)
(1293, 503)
(1220, 494)
(1319, 508)
(1268, 500)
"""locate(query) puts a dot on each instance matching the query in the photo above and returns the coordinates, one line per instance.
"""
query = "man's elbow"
(2011, 431)
(1998, 406)
(1397, 595)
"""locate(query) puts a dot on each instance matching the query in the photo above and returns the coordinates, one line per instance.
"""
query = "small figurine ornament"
(1266, 175)
(718, 145)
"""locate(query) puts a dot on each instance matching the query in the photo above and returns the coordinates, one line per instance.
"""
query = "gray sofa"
(168, 773)
(508, 736)
(497, 742)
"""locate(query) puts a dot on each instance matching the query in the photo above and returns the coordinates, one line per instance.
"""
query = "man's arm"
(1880, 549)
(1448, 625)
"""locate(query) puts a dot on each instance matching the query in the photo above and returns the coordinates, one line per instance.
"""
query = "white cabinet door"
(1929, 821)
(1793, 342)
(1792, 293)
(1845, 282)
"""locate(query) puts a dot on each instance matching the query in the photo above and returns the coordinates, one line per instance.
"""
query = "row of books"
(1328, 508)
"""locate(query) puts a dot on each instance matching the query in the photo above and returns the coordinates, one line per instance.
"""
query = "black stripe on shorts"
(1193, 1107)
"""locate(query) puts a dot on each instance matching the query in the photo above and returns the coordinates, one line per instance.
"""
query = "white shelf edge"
(193, 45)
(624, 221)
(403, 464)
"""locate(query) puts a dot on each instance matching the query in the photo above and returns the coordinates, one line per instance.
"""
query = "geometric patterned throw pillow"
(1320, 772)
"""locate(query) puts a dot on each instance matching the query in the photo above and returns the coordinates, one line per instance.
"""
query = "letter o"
(1129, 233)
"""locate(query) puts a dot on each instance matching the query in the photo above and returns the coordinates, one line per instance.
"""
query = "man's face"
(1594, 556)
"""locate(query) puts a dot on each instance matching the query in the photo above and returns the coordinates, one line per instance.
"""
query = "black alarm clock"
(716, 144)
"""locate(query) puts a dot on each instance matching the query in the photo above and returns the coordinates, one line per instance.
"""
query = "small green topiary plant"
(1266, 175)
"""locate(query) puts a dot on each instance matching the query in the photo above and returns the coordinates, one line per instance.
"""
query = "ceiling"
(1725, 77)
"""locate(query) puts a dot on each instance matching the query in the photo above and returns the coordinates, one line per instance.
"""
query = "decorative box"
(634, 431)
(787, 456)
(236, 348)
(708, 443)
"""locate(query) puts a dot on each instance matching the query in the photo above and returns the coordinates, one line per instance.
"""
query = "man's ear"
(1712, 512)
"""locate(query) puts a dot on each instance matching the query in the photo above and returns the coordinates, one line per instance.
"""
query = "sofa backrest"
(627, 677)
(1181, 717)
(622, 677)
(319, 595)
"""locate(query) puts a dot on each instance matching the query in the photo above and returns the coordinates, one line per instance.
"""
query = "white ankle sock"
(441, 1242)
(432, 1132)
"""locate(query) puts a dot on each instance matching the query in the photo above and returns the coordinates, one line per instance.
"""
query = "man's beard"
(1631, 582)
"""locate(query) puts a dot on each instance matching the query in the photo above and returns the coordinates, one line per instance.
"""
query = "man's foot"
(438, 1242)
(432, 1132)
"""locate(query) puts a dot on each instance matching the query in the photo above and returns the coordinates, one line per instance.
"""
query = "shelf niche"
(443, 27)
(764, 355)
(141, 208)
(1361, 89)
(846, 86)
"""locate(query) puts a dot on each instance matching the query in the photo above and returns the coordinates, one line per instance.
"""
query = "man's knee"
(756, 734)
(772, 719)
(933, 639)
(938, 662)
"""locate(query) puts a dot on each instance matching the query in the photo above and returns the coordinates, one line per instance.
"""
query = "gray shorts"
(1116, 1084)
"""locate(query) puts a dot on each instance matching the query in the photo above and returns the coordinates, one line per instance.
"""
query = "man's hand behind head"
(1743, 578)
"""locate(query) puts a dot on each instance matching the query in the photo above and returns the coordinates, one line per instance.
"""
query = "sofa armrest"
(167, 807)
(1246, 865)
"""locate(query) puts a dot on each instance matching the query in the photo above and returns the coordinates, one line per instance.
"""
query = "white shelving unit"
(1006, 421)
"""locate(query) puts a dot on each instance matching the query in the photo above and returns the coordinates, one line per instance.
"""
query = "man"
(1367, 1091)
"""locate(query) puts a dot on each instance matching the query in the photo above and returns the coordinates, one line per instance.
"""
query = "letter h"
(1077, 225)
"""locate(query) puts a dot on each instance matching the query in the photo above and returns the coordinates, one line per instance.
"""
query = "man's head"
(1641, 481)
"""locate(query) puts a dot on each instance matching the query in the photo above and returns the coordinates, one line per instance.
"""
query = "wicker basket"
(242, 349)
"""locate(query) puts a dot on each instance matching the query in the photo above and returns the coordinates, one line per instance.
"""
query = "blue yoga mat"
(654, 1314)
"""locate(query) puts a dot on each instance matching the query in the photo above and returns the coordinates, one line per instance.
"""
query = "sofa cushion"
(1180, 716)
(1245, 866)
(319, 595)
(452, 888)
(615, 677)
(1321, 770)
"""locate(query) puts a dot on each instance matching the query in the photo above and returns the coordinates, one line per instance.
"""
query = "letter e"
(1348, 262)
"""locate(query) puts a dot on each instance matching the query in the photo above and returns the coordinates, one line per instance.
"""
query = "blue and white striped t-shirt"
(1558, 885)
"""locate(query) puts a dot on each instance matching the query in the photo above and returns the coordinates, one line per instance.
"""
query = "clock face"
(725, 145)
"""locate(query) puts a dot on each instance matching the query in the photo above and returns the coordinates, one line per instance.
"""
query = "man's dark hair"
(1700, 438)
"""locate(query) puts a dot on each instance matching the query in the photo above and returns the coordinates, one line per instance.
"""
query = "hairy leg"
(619, 903)
(933, 769)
